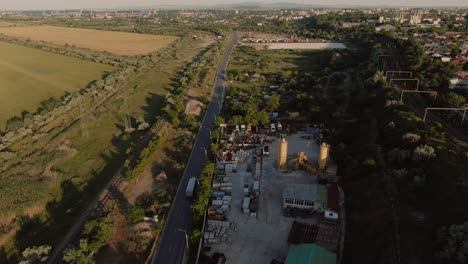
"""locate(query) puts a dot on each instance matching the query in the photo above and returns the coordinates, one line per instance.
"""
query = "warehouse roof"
(306, 192)
(309, 253)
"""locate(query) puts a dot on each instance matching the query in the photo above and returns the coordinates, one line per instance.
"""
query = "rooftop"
(333, 197)
(306, 192)
(309, 253)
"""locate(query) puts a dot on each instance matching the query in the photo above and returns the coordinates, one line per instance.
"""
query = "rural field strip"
(99, 202)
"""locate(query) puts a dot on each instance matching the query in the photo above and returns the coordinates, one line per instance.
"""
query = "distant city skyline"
(78, 4)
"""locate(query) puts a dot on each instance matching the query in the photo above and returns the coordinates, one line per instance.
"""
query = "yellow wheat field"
(119, 43)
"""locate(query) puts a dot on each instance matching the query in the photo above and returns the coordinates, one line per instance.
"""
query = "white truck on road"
(190, 187)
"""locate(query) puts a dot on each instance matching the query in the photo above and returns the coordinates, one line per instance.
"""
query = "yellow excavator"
(302, 163)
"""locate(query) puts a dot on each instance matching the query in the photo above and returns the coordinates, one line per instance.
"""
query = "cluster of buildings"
(460, 80)
(441, 46)
(448, 47)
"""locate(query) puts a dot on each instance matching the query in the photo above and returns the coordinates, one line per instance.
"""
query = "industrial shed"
(302, 196)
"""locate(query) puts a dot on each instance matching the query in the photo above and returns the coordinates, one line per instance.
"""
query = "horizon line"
(256, 5)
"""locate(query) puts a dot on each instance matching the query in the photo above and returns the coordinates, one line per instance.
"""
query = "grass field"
(81, 163)
(247, 59)
(29, 76)
(119, 43)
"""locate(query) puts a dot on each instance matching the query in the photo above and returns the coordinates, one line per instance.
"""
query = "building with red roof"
(462, 74)
(333, 202)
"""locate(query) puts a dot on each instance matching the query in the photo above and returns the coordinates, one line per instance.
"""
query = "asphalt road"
(171, 247)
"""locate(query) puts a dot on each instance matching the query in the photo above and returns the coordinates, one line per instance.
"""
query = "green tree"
(79, 255)
(219, 121)
(236, 120)
(456, 99)
(263, 118)
(35, 255)
(454, 49)
(204, 193)
(135, 214)
(191, 122)
(286, 74)
(98, 232)
(272, 104)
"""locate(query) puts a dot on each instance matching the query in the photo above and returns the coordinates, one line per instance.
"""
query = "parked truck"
(190, 187)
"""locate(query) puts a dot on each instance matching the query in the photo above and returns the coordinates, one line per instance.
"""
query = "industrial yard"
(250, 219)
(300, 46)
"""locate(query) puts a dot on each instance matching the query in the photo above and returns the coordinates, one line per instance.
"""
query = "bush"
(135, 214)
(411, 137)
(79, 255)
(454, 241)
(456, 100)
(97, 232)
(35, 255)
(424, 152)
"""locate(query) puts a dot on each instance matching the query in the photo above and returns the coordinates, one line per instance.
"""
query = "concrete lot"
(264, 238)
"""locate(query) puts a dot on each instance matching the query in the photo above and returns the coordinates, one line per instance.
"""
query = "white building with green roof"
(305, 196)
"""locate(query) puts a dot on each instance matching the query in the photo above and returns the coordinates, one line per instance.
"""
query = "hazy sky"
(62, 4)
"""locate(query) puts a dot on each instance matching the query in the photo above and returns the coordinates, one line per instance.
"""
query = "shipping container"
(218, 194)
(217, 202)
(256, 185)
(246, 203)
(227, 189)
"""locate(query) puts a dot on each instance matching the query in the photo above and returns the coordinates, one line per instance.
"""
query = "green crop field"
(29, 76)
